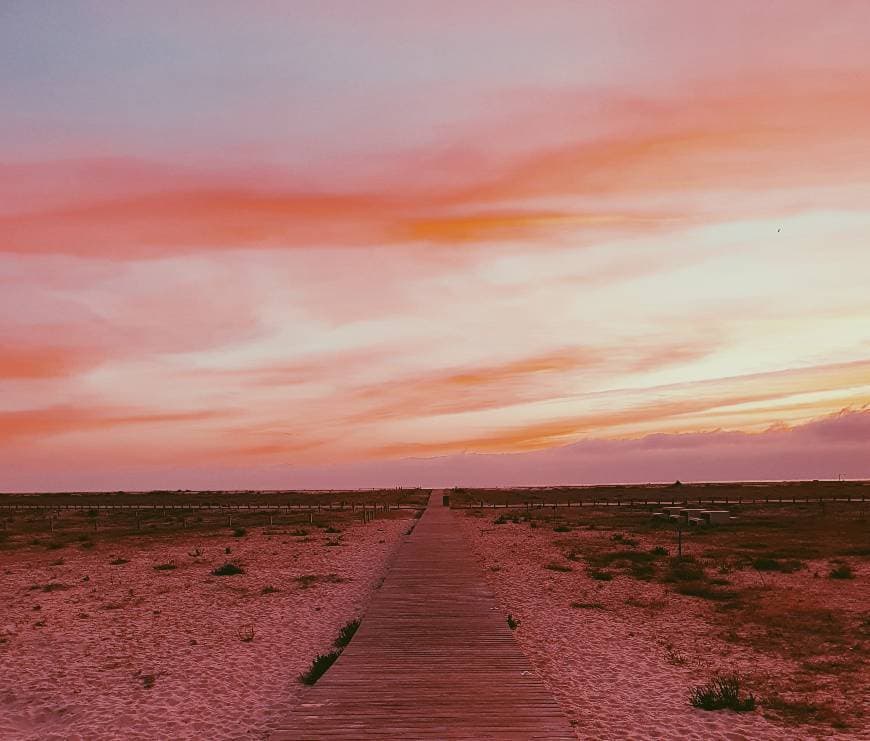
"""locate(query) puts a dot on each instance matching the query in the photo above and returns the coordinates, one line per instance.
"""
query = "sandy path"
(77, 666)
(609, 666)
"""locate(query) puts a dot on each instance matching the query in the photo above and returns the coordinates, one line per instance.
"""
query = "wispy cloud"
(22, 425)
(763, 136)
(468, 227)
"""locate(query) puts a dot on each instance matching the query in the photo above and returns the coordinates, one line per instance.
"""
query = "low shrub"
(299, 533)
(801, 711)
(228, 569)
(118, 561)
(705, 590)
(347, 633)
(318, 667)
(307, 580)
(788, 566)
(165, 566)
(512, 622)
(553, 566)
(659, 551)
(722, 693)
(587, 605)
(53, 587)
(239, 532)
(620, 538)
(599, 574)
(841, 571)
(642, 571)
(674, 655)
(269, 589)
(684, 569)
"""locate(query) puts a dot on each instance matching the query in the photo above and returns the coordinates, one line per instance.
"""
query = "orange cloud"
(198, 220)
(764, 134)
(702, 401)
(40, 423)
(534, 378)
(484, 227)
(38, 362)
(769, 132)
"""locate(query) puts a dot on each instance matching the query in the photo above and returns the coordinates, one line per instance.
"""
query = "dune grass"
(320, 664)
(228, 569)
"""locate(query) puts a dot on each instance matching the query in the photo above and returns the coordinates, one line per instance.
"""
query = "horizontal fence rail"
(394, 507)
(349, 507)
(660, 502)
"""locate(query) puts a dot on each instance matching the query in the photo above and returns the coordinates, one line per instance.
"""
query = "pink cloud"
(825, 448)
(469, 226)
(747, 136)
(16, 426)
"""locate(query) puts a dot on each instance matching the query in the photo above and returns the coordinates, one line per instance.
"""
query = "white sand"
(82, 674)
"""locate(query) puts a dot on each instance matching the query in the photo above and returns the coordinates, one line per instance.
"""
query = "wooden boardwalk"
(433, 658)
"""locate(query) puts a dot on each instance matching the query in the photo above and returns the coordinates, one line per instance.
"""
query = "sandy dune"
(77, 661)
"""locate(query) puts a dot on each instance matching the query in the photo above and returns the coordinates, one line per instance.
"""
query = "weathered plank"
(434, 657)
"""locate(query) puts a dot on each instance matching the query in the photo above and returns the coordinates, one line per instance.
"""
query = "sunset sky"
(328, 244)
